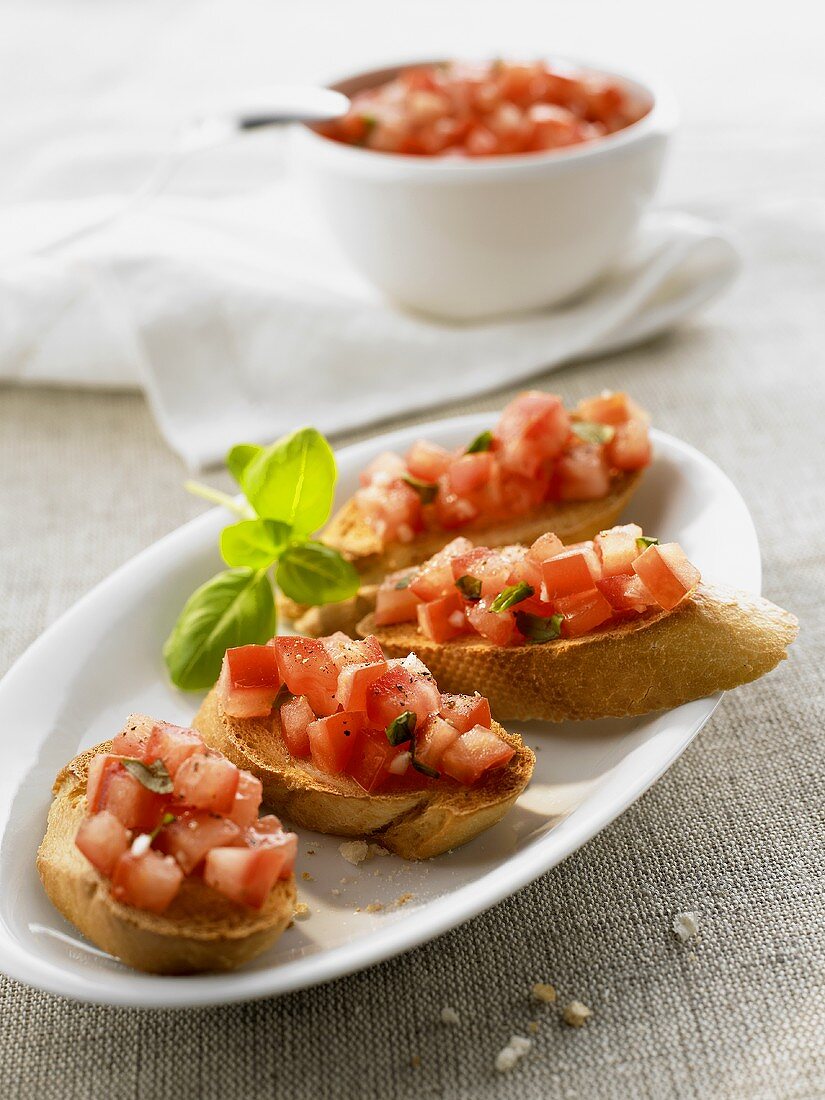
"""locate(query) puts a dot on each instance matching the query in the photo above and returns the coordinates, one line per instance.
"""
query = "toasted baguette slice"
(717, 639)
(201, 929)
(413, 824)
(348, 532)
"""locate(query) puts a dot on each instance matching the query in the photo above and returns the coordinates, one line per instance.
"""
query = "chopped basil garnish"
(425, 489)
(154, 777)
(469, 587)
(482, 442)
(401, 728)
(167, 819)
(420, 766)
(512, 595)
(536, 629)
(643, 542)
(593, 432)
(405, 582)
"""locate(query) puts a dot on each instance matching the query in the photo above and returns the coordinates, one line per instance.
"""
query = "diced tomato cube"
(496, 626)
(269, 833)
(451, 510)
(630, 448)
(583, 612)
(435, 577)
(443, 618)
(249, 681)
(207, 782)
(545, 546)
(129, 742)
(486, 565)
(110, 787)
(102, 839)
(532, 428)
(307, 669)
(296, 715)
(626, 592)
(393, 510)
(617, 548)
(351, 651)
(189, 837)
(383, 469)
(427, 461)
(606, 408)
(667, 573)
(247, 802)
(469, 472)
(474, 753)
(433, 739)
(567, 573)
(354, 680)
(400, 690)
(523, 569)
(371, 760)
(332, 740)
(101, 769)
(149, 881)
(244, 875)
(172, 745)
(394, 605)
(583, 473)
(465, 711)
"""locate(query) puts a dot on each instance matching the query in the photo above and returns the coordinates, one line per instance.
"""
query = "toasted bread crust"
(716, 640)
(348, 532)
(413, 824)
(201, 930)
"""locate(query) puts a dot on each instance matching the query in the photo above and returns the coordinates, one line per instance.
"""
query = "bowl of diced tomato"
(473, 189)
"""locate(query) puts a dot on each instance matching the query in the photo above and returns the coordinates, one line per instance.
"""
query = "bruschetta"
(155, 851)
(540, 468)
(346, 742)
(616, 626)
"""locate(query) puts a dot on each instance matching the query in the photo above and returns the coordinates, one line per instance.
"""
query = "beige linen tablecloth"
(733, 832)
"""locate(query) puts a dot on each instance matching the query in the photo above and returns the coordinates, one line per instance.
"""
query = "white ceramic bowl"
(467, 239)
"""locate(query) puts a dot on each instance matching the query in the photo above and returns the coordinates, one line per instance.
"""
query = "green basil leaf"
(402, 728)
(420, 766)
(293, 481)
(239, 457)
(536, 629)
(316, 574)
(643, 542)
(234, 608)
(512, 595)
(593, 432)
(425, 489)
(482, 442)
(405, 582)
(167, 819)
(254, 542)
(154, 777)
(469, 587)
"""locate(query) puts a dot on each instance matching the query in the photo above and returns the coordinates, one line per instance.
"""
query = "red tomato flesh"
(149, 881)
(566, 573)
(427, 461)
(433, 739)
(583, 612)
(667, 574)
(332, 740)
(399, 690)
(496, 626)
(354, 680)
(617, 548)
(192, 835)
(244, 875)
(626, 592)
(473, 753)
(296, 715)
(394, 605)
(130, 743)
(172, 745)
(307, 669)
(102, 839)
(443, 618)
(247, 800)
(465, 711)
(110, 787)
(207, 782)
(372, 758)
(249, 681)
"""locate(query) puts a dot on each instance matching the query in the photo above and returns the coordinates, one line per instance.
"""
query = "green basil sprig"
(592, 432)
(427, 490)
(289, 488)
(482, 442)
(402, 728)
(643, 542)
(537, 629)
(154, 777)
(469, 587)
(512, 595)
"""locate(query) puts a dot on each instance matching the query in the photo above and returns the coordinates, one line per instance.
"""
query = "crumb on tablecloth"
(576, 1014)
(686, 926)
(543, 991)
(449, 1015)
(518, 1046)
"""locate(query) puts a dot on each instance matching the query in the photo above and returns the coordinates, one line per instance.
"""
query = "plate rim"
(147, 991)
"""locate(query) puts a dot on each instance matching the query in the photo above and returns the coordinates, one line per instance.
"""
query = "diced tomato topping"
(630, 448)
(545, 546)
(110, 787)
(474, 753)
(244, 875)
(354, 680)
(469, 472)
(626, 592)
(433, 739)
(488, 566)
(567, 573)
(667, 573)
(207, 782)
(371, 762)
(172, 745)
(617, 548)
(351, 651)
(129, 742)
(247, 802)
(400, 690)
(149, 881)
(465, 711)
(583, 474)
(307, 669)
(583, 612)
(269, 833)
(435, 577)
(189, 837)
(296, 715)
(102, 839)
(332, 740)
(606, 408)
(385, 468)
(451, 510)
(427, 461)
(249, 681)
(533, 427)
(394, 605)
(496, 626)
(394, 509)
(442, 618)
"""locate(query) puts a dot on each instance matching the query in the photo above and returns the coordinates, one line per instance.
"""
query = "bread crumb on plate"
(576, 1014)
(518, 1046)
(354, 851)
(301, 911)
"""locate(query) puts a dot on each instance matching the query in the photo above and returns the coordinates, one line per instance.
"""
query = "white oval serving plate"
(101, 660)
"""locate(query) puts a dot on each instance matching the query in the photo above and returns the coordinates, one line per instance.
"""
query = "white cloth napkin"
(241, 322)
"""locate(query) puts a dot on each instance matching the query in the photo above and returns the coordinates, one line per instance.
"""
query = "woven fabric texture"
(734, 831)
